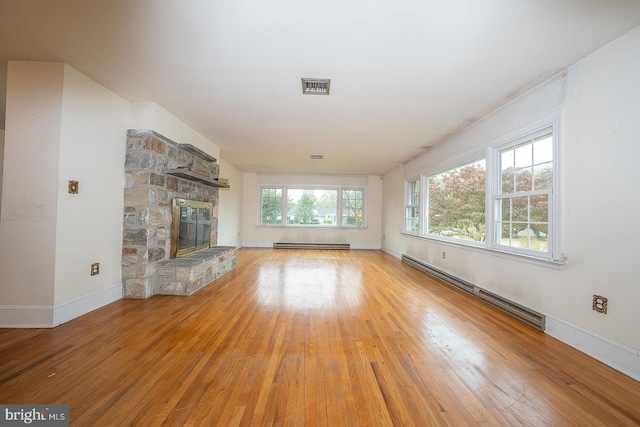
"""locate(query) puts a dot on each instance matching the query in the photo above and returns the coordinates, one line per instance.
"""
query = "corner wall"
(89, 224)
(230, 209)
(29, 197)
(1, 165)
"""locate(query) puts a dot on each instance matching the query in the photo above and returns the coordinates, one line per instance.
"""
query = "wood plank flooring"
(306, 338)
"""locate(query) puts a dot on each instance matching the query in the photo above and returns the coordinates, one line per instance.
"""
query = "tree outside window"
(456, 202)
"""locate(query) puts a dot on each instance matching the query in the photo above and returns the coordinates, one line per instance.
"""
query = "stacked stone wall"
(148, 194)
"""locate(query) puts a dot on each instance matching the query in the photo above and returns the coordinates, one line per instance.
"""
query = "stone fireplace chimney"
(157, 171)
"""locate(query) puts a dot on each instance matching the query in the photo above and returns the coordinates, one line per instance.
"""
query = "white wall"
(30, 189)
(260, 236)
(230, 206)
(600, 151)
(1, 165)
(149, 115)
(92, 152)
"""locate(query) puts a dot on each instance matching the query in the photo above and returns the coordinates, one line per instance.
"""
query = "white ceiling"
(404, 73)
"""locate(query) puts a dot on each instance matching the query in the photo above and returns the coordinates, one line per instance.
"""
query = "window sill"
(543, 262)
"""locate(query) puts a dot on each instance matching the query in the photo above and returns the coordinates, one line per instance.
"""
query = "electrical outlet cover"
(600, 304)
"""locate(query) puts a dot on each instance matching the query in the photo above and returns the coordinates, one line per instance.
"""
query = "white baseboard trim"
(82, 305)
(257, 244)
(619, 356)
(393, 252)
(366, 246)
(49, 316)
(26, 316)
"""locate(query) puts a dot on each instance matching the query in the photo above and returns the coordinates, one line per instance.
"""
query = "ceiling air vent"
(315, 86)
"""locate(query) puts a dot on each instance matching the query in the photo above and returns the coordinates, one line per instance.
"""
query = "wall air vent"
(315, 86)
(317, 156)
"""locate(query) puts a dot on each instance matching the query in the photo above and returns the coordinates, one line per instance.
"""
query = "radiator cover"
(520, 312)
(292, 245)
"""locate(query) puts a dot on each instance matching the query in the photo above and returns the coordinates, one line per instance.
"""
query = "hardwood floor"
(339, 338)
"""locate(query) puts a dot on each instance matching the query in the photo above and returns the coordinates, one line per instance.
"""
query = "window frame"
(339, 205)
(494, 194)
(490, 151)
(341, 208)
(408, 205)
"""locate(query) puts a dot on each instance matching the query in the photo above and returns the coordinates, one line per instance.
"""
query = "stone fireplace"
(159, 175)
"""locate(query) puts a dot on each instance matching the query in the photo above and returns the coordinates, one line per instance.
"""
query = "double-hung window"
(523, 194)
(412, 206)
(505, 200)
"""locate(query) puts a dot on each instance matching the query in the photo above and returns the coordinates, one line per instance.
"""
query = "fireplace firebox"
(190, 226)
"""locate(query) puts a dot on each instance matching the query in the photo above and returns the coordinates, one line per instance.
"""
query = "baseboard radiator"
(522, 313)
(290, 245)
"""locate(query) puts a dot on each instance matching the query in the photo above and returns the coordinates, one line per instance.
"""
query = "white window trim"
(339, 209)
(406, 205)
(554, 258)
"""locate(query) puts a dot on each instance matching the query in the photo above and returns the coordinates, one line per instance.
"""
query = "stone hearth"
(157, 170)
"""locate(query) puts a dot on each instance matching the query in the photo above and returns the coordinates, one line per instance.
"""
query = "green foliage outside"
(457, 203)
(304, 209)
(271, 206)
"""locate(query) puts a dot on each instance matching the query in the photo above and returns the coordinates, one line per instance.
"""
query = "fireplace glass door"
(191, 226)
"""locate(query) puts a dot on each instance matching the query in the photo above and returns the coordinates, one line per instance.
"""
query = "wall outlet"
(95, 268)
(600, 304)
(73, 187)
(444, 255)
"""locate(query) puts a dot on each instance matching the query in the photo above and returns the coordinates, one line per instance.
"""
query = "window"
(412, 207)
(503, 201)
(524, 194)
(456, 202)
(312, 207)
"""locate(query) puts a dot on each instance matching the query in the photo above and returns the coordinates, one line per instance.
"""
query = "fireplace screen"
(190, 226)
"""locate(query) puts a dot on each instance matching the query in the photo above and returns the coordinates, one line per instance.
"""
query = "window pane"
(413, 220)
(412, 212)
(520, 208)
(543, 176)
(506, 160)
(507, 181)
(414, 192)
(543, 149)
(352, 208)
(520, 235)
(523, 180)
(271, 205)
(523, 155)
(505, 209)
(505, 233)
(539, 237)
(312, 207)
(540, 208)
(457, 202)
